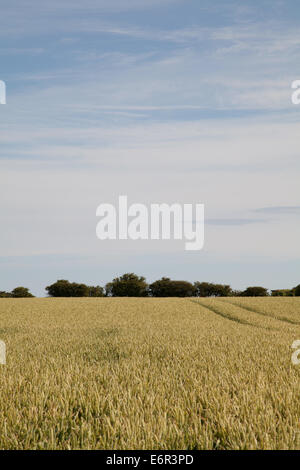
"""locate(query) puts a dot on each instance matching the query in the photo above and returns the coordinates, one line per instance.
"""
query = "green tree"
(282, 293)
(128, 285)
(4, 294)
(166, 287)
(208, 289)
(96, 291)
(255, 291)
(21, 292)
(160, 288)
(64, 288)
(297, 291)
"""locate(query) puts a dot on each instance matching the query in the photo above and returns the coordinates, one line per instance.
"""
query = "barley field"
(127, 373)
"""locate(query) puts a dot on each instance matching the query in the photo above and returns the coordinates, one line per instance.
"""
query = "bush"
(20, 292)
(297, 291)
(64, 288)
(282, 293)
(236, 293)
(4, 294)
(128, 285)
(96, 291)
(165, 287)
(207, 289)
(255, 291)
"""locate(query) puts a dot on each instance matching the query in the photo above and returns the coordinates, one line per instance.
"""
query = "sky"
(164, 101)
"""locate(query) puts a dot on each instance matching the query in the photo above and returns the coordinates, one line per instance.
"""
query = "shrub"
(166, 287)
(282, 293)
(20, 292)
(96, 291)
(128, 285)
(255, 291)
(64, 288)
(207, 289)
(4, 294)
(297, 291)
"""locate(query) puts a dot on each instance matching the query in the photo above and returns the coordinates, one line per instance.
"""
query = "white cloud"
(48, 205)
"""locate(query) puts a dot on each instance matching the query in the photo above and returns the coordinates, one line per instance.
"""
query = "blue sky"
(165, 101)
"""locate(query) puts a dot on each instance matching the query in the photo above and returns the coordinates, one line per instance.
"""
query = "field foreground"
(149, 374)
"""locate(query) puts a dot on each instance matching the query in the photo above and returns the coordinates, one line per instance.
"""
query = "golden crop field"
(113, 373)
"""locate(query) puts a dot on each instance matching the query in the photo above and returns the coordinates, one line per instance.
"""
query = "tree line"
(17, 293)
(131, 285)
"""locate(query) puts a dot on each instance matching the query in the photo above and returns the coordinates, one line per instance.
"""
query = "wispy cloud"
(279, 210)
(235, 222)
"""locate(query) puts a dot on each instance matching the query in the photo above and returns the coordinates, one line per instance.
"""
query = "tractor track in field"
(250, 309)
(228, 317)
